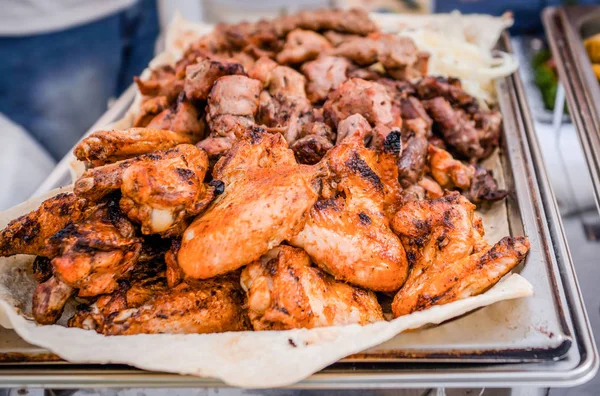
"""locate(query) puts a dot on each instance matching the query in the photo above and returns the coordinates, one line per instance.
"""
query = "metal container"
(541, 341)
(566, 28)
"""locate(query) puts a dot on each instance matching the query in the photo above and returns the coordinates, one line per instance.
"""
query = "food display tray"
(544, 340)
(566, 28)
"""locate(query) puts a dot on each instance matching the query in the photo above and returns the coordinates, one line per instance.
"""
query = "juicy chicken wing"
(347, 232)
(286, 292)
(264, 203)
(449, 257)
(197, 307)
(160, 191)
(29, 233)
(103, 147)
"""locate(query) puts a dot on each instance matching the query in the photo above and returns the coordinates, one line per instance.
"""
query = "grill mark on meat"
(358, 165)
(393, 142)
(364, 218)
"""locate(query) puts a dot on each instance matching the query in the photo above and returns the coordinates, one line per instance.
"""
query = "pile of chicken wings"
(283, 174)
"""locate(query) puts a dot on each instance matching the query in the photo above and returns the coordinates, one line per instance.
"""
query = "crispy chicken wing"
(160, 191)
(210, 306)
(103, 147)
(347, 232)
(264, 203)
(449, 257)
(286, 292)
(29, 233)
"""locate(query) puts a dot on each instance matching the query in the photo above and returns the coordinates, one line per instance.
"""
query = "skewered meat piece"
(264, 203)
(160, 191)
(286, 292)
(104, 147)
(200, 77)
(347, 232)
(182, 117)
(29, 233)
(232, 104)
(211, 306)
(301, 46)
(367, 98)
(324, 74)
(449, 258)
(283, 105)
(456, 128)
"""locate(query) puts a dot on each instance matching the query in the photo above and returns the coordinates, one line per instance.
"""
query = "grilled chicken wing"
(286, 292)
(29, 233)
(347, 232)
(210, 306)
(103, 147)
(449, 257)
(264, 203)
(160, 191)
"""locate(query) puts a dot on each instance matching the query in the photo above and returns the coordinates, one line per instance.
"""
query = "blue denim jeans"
(56, 85)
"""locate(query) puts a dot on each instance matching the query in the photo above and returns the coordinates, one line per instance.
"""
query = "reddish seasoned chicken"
(286, 292)
(449, 258)
(324, 74)
(160, 191)
(347, 232)
(148, 307)
(104, 147)
(301, 46)
(264, 202)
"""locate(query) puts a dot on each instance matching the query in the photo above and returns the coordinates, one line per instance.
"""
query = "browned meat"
(363, 97)
(311, 149)
(283, 105)
(200, 77)
(411, 108)
(355, 21)
(29, 233)
(182, 117)
(484, 187)
(489, 125)
(286, 292)
(337, 38)
(456, 128)
(163, 81)
(49, 299)
(449, 172)
(42, 269)
(301, 46)
(430, 87)
(150, 108)
(411, 165)
(103, 147)
(232, 104)
(324, 74)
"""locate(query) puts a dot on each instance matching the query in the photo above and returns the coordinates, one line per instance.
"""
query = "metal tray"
(566, 28)
(544, 340)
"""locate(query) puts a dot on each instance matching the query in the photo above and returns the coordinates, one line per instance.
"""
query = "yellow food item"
(592, 47)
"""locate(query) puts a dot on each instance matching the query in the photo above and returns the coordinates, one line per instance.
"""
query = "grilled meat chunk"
(200, 76)
(324, 74)
(301, 46)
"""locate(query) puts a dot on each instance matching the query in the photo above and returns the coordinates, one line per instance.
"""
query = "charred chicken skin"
(347, 233)
(449, 258)
(265, 199)
(286, 292)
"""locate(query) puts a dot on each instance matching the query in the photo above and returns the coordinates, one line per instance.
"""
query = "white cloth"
(24, 164)
(27, 17)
